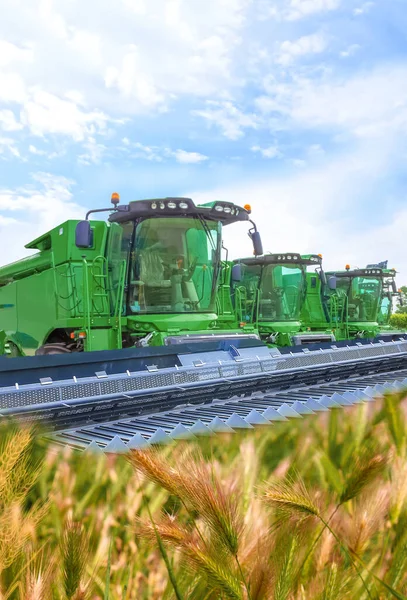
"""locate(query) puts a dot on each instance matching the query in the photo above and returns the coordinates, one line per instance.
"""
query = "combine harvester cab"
(355, 306)
(390, 295)
(148, 277)
(268, 293)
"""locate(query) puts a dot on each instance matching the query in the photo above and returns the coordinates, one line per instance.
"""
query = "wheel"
(55, 348)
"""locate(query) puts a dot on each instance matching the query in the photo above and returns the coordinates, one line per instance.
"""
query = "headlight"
(219, 208)
(171, 205)
(183, 205)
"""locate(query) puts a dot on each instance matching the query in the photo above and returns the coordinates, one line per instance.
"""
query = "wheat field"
(311, 509)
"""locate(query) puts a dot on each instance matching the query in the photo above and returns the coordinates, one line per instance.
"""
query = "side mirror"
(83, 235)
(237, 274)
(257, 244)
(332, 282)
(394, 287)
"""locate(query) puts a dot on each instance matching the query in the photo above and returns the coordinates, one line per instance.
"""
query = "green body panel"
(143, 276)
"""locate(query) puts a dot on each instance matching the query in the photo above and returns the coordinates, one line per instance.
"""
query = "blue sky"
(296, 106)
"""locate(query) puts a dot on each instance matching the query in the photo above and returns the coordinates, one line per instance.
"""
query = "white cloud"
(299, 163)
(37, 207)
(46, 153)
(308, 44)
(363, 9)
(315, 150)
(160, 153)
(79, 82)
(30, 210)
(350, 50)
(293, 10)
(132, 82)
(184, 157)
(230, 119)
(148, 52)
(8, 121)
(8, 148)
(153, 153)
(93, 154)
(10, 53)
(12, 88)
(45, 113)
(304, 8)
(366, 104)
(37, 151)
(268, 152)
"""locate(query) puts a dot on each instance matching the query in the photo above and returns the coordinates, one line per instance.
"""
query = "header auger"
(159, 339)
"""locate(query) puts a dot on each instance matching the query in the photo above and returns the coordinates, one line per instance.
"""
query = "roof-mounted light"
(219, 208)
(154, 205)
(115, 199)
(171, 205)
(162, 205)
(227, 209)
(248, 208)
(183, 205)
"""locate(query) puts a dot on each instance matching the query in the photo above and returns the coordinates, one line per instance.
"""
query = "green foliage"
(399, 318)
(402, 308)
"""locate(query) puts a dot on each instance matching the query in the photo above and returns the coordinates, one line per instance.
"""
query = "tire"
(56, 348)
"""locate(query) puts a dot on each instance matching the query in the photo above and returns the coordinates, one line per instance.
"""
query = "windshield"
(173, 266)
(275, 292)
(364, 295)
(281, 293)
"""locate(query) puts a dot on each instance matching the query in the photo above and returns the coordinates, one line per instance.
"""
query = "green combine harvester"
(353, 301)
(147, 277)
(390, 296)
(268, 293)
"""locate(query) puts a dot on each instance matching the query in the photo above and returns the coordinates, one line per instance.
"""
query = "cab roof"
(281, 258)
(225, 212)
(360, 273)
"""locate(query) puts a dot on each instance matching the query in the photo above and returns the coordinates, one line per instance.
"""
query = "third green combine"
(268, 293)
